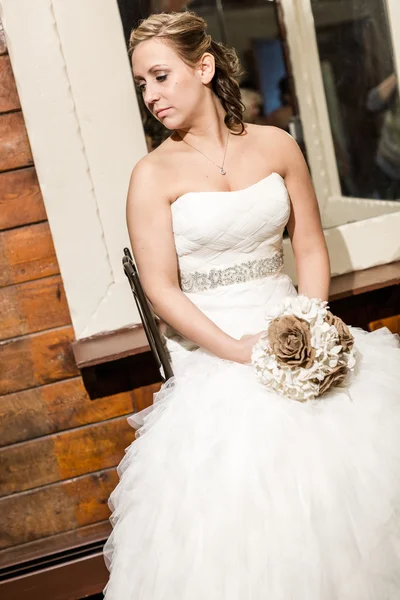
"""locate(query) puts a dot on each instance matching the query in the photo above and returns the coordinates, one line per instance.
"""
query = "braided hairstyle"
(186, 33)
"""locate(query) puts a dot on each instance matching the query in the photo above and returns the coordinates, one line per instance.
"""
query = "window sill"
(130, 341)
(109, 346)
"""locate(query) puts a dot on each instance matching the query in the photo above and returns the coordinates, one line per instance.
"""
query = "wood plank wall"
(58, 448)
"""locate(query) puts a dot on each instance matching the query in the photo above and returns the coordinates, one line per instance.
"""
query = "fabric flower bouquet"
(305, 351)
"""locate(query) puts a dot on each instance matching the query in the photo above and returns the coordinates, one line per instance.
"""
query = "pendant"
(223, 172)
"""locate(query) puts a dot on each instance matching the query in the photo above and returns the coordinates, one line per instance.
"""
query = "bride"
(232, 492)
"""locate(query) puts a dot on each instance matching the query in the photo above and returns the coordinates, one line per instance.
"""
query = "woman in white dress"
(232, 492)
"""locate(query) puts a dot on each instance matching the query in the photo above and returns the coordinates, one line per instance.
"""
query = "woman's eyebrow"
(155, 67)
(151, 70)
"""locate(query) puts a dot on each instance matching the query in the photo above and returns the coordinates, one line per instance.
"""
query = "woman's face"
(171, 89)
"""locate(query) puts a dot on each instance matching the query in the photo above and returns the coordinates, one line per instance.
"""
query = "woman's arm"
(150, 229)
(304, 226)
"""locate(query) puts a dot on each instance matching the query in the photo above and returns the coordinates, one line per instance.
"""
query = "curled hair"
(186, 33)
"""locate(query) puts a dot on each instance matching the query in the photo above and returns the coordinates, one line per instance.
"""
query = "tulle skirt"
(232, 492)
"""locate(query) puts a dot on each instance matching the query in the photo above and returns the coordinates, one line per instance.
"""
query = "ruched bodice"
(220, 229)
(229, 249)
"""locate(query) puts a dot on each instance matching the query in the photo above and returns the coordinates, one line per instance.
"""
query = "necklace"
(220, 167)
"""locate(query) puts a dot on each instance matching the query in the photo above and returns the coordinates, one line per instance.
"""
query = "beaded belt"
(239, 273)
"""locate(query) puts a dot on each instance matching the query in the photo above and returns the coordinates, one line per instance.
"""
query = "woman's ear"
(206, 68)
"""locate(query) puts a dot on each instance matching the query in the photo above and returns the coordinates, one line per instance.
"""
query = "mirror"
(362, 95)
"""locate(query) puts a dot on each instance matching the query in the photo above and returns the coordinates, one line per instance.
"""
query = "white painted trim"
(312, 103)
(357, 246)
(349, 242)
(342, 210)
(77, 95)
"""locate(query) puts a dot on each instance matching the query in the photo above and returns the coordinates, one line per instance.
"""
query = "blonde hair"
(186, 33)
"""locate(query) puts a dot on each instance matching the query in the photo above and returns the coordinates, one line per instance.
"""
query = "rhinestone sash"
(239, 273)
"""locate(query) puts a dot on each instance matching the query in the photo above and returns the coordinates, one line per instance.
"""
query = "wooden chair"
(149, 322)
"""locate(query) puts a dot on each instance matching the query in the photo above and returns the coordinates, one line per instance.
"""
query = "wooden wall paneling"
(67, 541)
(92, 448)
(143, 397)
(56, 508)
(59, 449)
(63, 455)
(57, 407)
(78, 578)
(26, 466)
(21, 201)
(15, 151)
(36, 360)
(9, 99)
(33, 306)
(27, 253)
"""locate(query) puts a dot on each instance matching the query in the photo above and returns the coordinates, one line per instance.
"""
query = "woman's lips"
(161, 113)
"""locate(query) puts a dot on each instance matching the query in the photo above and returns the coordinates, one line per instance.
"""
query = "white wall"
(77, 95)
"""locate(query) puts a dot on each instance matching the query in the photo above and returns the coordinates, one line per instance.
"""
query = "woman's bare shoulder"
(152, 176)
(269, 134)
(279, 145)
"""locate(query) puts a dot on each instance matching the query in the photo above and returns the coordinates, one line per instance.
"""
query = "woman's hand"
(245, 347)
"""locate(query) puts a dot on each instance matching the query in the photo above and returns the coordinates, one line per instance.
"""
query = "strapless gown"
(231, 492)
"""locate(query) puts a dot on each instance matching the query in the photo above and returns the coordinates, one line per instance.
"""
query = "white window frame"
(78, 99)
(350, 223)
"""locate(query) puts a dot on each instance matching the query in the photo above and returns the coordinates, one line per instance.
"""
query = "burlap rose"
(345, 338)
(290, 341)
(335, 378)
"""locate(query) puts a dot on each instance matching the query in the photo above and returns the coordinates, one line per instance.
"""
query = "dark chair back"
(147, 316)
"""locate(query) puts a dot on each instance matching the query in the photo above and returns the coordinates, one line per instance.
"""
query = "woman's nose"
(151, 95)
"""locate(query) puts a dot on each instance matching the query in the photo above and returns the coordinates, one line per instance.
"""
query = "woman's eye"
(160, 78)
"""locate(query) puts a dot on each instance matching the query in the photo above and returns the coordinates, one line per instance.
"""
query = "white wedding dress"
(232, 492)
